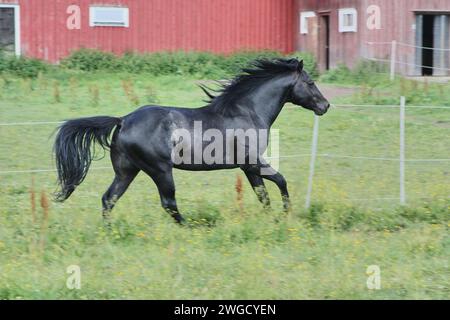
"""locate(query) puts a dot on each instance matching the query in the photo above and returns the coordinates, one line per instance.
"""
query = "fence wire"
(406, 45)
(337, 105)
(352, 157)
(395, 47)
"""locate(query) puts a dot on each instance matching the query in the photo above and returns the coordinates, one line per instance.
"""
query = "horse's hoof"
(179, 219)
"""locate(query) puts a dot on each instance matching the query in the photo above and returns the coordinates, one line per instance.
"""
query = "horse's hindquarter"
(144, 135)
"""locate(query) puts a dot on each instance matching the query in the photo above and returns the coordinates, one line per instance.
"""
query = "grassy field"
(321, 253)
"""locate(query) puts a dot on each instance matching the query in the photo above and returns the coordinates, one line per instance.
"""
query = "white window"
(15, 28)
(304, 20)
(348, 20)
(108, 17)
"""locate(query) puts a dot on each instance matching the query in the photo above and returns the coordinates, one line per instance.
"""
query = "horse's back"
(146, 132)
(154, 117)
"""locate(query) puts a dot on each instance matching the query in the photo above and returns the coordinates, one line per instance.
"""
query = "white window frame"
(93, 23)
(304, 15)
(17, 43)
(342, 13)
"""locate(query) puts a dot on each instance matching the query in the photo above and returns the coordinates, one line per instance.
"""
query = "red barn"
(52, 29)
(335, 31)
(346, 31)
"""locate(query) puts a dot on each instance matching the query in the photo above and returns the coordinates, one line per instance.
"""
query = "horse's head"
(306, 94)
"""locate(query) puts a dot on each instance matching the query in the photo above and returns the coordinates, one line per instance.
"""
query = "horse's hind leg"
(166, 187)
(125, 174)
(115, 191)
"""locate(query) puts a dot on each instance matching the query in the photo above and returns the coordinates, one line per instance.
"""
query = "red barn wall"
(343, 46)
(208, 25)
(397, 23)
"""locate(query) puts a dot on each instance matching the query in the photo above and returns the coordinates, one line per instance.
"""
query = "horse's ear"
(300, 66)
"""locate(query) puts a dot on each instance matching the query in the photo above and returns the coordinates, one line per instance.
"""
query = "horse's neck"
(268, 100)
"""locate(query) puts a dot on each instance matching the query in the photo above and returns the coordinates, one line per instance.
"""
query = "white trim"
(16, 8)
(342, 13)
(304, 20)
(126, 17)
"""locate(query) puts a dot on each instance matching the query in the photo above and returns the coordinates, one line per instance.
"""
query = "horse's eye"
(310, 83)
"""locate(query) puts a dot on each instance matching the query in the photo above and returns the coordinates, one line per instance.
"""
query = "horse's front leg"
(258, 186)
(267, 172)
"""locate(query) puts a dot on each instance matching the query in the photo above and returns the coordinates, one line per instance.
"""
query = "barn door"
(441, 41)
(419, 42)
(433, 45)
(324, 42)
(9, 33)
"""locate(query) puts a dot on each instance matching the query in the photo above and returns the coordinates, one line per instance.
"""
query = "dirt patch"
(331, 91)
(442, 123)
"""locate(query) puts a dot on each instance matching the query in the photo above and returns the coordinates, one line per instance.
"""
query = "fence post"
(312, 161)
(393, 57)
(402, 151)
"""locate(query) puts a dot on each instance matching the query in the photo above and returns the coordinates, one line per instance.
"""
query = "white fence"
(314, 155)
(404, 55)
(401, 150)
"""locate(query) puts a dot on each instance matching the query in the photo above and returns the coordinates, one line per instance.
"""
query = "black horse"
(144, 139)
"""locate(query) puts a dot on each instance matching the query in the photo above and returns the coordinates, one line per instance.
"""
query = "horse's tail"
(72, 149)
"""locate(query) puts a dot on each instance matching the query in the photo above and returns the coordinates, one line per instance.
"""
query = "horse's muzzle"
(321, 110)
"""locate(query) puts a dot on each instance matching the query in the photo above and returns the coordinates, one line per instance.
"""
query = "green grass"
(375, 86)
(321, 253)
(193, 63)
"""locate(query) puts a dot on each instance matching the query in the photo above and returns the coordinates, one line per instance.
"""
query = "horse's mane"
(247, 80)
